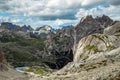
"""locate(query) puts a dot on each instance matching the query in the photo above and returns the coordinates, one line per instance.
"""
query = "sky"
(55, 12)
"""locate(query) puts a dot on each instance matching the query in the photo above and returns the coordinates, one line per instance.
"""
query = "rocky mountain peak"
(86, 19)
(105, 17)
(45, 27)
(89, 25)
(11, 27)
(26, 28)
(43, 31)
(103, 20)
(6, 23)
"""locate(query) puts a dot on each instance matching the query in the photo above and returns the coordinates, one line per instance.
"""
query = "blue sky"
(55, 12)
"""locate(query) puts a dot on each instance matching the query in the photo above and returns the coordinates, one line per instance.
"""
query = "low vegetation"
(39, 70)
(20, 52)
(91, 48)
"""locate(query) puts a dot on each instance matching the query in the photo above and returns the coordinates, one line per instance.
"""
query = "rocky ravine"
(97, 57)
(65, 41)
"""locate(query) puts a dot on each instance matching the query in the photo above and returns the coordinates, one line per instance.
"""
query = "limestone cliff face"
(98, 43)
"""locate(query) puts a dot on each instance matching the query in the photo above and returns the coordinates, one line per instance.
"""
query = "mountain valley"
(88, 51)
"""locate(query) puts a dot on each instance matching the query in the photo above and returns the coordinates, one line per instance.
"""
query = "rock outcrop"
(97, 57)
(3, 63)
(98, 43)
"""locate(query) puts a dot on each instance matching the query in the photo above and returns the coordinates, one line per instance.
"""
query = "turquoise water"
(21, 68)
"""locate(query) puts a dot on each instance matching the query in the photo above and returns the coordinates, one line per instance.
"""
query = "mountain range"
(76, 52)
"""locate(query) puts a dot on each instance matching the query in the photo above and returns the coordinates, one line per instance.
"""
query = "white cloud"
(4, 19)
(56, 12)
(92, 2)
(59, 22)
(83, 12)
(46, 8)
(35, 22)
(9, 19)
(111, 11)
(64, 4)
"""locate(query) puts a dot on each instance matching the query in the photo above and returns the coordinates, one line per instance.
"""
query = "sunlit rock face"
(43, 31)
(98, 43)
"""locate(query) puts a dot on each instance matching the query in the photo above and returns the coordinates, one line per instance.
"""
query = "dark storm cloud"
(115, 2)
